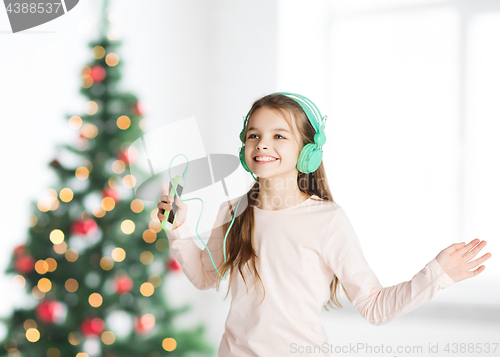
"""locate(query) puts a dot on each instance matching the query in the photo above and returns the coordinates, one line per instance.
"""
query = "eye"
(249, 136)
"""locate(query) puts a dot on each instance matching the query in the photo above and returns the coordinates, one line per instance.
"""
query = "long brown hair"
(239, 246)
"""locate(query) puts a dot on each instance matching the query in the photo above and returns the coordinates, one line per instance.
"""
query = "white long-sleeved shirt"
(299, 250)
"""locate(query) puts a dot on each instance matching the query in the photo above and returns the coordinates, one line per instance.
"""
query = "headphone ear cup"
(242, 159)
(309, 159)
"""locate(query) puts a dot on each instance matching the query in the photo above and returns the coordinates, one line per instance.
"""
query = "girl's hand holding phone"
(165, 206)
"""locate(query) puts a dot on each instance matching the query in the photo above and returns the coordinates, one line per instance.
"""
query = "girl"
(293, 245)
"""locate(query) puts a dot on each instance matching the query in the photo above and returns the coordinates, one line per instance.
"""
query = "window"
(410, 90)
(413, 92)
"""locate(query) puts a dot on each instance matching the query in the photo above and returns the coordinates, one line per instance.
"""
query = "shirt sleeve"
(378, 305)
(195, 262)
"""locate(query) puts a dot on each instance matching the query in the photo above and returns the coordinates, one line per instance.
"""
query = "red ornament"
(19, 250)
(127, 156)
(173, 264)
(88, 226)
(109, 192)
(144, 324)
(24, 264)
(92, 326)
(122, 155)
(123, 284)
(137, 109)
(98, 73)
(49, 311)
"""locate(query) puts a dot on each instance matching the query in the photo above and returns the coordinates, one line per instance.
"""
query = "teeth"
(267, 158)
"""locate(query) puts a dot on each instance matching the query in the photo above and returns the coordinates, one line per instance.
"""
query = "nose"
(261, 145)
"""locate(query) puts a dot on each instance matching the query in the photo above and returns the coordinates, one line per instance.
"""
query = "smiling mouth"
(266, 160)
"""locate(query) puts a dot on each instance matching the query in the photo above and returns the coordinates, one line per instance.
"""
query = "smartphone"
(179, 184)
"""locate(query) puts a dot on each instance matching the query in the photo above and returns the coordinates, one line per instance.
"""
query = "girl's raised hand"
(165, 206)
(456, 259)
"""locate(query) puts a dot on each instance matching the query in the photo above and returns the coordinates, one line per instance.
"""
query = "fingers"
(163, 206)
(456, 247)
(468, 247)
(166, 198)
(478, 261)
(473, 252)
(478, 270)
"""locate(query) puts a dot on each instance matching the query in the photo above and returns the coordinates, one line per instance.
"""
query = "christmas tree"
(95, 258)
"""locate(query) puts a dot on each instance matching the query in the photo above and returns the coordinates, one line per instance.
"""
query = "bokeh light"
(95, 300)
(91, 107)
(71, 285)
(29, 323)
(118, 166)
(169, 344)
(37, 294)
(148, 321)
(98, 211)
(114, 182)
(33, 220)
(66, 194)
(108, 203)
(123, 122)
(127, 226)
(32, 335)
(82, 173)
(74, 338)
(147, 257)
(51, 262)
(113, 34)
(60, 248)
(118, 254)
(56, 236)
(137, 206)
(155, 225)
(89, 131)
(108, 337)
(71, 255)
(75, 122)
(41, 267)
(147, 289)
(19, 281)
(129, 181)
(149, 236)
(155, 279)
(107, 263)
(112, 59)
(44, 285)
(98, 52)
(154, 214)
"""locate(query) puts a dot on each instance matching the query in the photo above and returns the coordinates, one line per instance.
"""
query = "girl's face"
(269, 134)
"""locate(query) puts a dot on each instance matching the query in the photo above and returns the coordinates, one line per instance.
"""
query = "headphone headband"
(311, 110)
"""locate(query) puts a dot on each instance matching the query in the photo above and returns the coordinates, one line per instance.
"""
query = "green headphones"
(311, 154)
